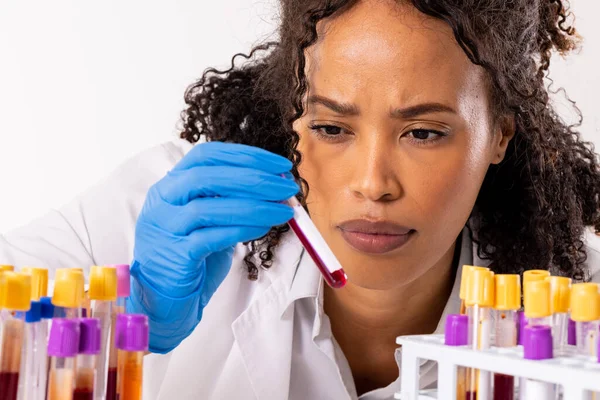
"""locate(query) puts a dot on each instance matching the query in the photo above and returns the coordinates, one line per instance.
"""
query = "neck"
(366, 322)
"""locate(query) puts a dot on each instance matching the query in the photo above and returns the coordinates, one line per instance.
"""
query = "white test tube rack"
(576, 374)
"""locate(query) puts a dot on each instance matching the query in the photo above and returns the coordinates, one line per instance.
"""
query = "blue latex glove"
(219, 194)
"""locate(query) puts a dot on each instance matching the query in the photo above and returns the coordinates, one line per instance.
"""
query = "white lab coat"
(257, 340)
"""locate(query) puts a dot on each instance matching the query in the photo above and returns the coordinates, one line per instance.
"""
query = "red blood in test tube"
(111, 384)
(9, 385)
(83, 394)
(471, 395)
(504, 387)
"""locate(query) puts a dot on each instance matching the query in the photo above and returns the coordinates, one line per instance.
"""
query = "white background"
(85, 85)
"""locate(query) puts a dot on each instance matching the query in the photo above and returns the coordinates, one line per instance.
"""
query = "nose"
(375, 177)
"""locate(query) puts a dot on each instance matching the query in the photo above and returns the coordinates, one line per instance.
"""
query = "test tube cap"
(68, 288)
(522, 321)
(466, 270)
(456, 330)
(584, 302)
(508, 292)
(132, 333)
(572, 333)
(480, 288)
(63, 340)
(34, 314)
(537, 294)
(537, 342)
(103, 283)
(47, 307)
(560, 294)
(123, 280)
(534, 275)
(39, 281)
(15, 291)
(7, 268)
(89, 337)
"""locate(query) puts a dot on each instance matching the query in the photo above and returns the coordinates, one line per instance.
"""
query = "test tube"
(466, 269)
(102, 293)
(63, 345)
(560, 301)
(89, 347)
(532, 275)
(15, 293)
(537, 345)
(123, 291)
(68, 293)
(479, 301)
(47, 315)
(456, 333)
(585, 312)
(316, 247)
(507, 304)
(132, 342)
(30, 367)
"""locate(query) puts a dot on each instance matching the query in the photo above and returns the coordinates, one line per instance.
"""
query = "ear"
(504, 132)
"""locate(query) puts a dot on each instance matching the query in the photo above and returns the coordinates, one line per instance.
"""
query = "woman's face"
(396, 141)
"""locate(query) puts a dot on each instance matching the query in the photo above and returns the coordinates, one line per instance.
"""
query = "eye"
(425, 134)
(327, 130)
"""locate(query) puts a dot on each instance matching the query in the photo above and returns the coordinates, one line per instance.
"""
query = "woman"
(424, 140)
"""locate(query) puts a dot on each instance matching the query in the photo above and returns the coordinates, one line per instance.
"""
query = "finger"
(235, 155)
(206, 241)
(213, 212)
(179, 187)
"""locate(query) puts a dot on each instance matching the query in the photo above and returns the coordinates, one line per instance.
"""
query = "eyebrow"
(400, 113)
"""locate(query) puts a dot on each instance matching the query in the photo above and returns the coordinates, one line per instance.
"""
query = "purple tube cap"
(537, 342)
(571, 333)
(132, 332)
(456, 330)
(522, 323)
(89, 337)
(64, 338)
(123, 280)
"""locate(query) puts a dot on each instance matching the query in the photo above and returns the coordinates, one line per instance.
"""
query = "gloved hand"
(219, 194)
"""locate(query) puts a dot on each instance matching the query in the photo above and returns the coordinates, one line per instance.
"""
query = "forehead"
(386, 44)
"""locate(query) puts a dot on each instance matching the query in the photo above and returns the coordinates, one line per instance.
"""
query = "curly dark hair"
(533, 207)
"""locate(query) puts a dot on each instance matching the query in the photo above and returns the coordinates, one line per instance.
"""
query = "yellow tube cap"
(534, 275)
(15, 291)
(39, 281)
(560, 294)
(6, 268)
(584, 302)
(68, 288)
(103, 283)
(537, 294)
(480, 288)
(508, 292)
(466, 270)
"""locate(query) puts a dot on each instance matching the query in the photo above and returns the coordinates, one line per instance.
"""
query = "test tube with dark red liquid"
(89, 347)
(315, 245)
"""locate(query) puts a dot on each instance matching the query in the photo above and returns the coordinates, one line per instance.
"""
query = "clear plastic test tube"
(47, 315)
(123, 292)
(30, 366)
(507, 304)
(585, 311)
(68, 293)
(316, 247)
(479, 301)
(456, 333)
(15, 294)
(63, 345)
(537, 345)
(132, 342)
(103, 293)
(89, 347)
(466, 269)
(560, 301)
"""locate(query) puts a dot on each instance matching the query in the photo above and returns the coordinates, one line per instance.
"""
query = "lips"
(375, 237)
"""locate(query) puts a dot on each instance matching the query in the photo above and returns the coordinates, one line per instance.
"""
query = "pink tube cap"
(123, 280)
